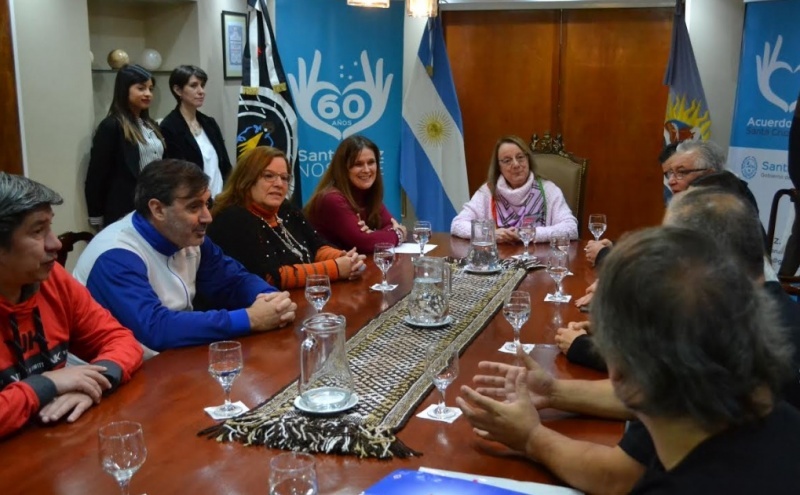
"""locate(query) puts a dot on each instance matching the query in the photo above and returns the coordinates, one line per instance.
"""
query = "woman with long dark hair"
(347, 205)
(124, 142)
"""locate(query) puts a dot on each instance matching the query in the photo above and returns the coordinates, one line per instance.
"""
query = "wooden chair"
(68, 240)
(789, 283)
(566, 170)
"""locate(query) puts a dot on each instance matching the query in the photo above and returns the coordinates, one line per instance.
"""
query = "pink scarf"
(512, 204)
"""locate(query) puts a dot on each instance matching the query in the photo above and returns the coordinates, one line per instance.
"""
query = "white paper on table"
(413, 248)
(424, 414)
(527, 348)
(210, 410)
(552, 298)
(377, 287)
(527, 487)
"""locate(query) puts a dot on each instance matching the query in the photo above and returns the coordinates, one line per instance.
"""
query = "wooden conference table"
(169, 392)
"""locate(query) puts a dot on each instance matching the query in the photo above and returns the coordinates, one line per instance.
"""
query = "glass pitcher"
(326, 384)
(483, 255)
(428, 302)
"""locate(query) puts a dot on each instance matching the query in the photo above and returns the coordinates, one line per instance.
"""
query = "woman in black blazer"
(124, 142)
(191, 135)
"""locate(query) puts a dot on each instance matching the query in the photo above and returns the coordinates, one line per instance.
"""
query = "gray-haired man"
(44, 313)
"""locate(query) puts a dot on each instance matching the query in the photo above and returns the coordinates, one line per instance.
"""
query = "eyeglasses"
(272, 177)
(681, 174)
(522, 159)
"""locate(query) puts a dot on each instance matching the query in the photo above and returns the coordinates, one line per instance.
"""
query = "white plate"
(469, 269)
(448, 320)
(298, 403)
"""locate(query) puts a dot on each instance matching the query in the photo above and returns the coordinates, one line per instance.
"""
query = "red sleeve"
(336, 221)
(18, 402)
(95, 335)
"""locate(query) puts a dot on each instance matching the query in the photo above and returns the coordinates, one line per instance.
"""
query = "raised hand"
(376, 88)
(500, 380)
(509, 423)
(305, 90)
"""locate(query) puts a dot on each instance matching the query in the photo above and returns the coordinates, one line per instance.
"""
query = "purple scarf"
(513, 204)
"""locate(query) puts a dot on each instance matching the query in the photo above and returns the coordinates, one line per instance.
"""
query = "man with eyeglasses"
(148, 268)
(692, 159)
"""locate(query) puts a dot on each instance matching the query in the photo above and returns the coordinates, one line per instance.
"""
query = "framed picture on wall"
(233, 37)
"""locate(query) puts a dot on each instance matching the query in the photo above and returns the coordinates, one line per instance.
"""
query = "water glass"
(597, 225)
(293, 473)
(318, 291)
(557, 269)
(225, 364)
(527, 233)
(441, 365)
(517, 310)
(384, 257)
(421, 234)
(122, 451)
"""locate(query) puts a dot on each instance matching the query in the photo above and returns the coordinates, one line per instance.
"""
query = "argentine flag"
(433, 168)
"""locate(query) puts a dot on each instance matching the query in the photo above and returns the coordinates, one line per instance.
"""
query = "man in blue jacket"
(148, 267)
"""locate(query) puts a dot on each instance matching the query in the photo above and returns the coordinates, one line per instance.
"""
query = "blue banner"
(766, 96)
(344, 68)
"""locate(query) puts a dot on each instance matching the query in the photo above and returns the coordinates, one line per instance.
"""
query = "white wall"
(51, 39)
(715, 28)
(222, 97)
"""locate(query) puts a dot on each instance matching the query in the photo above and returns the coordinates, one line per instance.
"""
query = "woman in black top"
(190, 134)
(124, 142)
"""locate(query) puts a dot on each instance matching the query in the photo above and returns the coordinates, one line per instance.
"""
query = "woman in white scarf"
(511, 191)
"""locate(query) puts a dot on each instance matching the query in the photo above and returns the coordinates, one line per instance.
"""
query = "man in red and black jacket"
(45, 313)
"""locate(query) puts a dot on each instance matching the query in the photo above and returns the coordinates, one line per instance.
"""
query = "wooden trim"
(10, 137)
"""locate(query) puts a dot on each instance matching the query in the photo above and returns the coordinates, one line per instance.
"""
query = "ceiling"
(549, 4)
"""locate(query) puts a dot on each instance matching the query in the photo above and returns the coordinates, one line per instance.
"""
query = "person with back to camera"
(257, 226)
(511, 191)
(124, 142)
(347, 206)
(190, 134)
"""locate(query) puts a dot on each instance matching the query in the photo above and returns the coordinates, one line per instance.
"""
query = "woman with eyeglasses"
(347, 205)
(256, 225)
(512, 191)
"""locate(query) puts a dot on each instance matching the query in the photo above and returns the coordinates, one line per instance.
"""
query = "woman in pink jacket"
(511, 191)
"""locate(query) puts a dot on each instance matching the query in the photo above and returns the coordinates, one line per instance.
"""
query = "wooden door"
(10, 141)
(503, 64)
(593, 75)
(612, 109)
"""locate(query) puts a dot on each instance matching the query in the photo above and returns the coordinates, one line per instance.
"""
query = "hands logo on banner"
(340, 113)
(766, 67)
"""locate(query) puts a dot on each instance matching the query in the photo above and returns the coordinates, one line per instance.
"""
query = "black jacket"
(180, 142)
(113, 170)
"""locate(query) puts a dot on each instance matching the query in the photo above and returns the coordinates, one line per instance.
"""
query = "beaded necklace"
(286, 238)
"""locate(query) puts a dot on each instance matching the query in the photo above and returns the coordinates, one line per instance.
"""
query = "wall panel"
(10, 143)
(593, 75)
(612, 109)
(503, 65)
